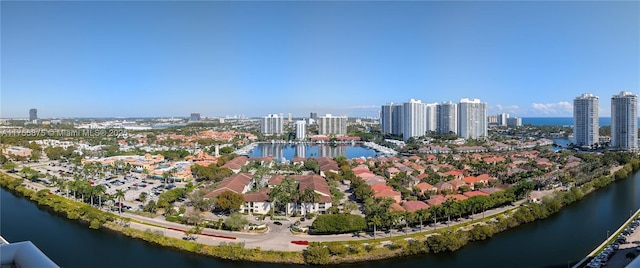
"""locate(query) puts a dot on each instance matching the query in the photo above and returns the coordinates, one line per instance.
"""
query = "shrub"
(338, 224)
(316, 253)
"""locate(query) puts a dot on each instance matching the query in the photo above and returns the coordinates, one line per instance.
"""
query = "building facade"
(33, 114)
(502, 119)
(585, 120)
(332, 125)
(271, 125)
(194, 117)
(301, 130)
(431, 114)
(472, 121)
(447, 117)
(514, 121)
(391, 117)
(414, 123)
(624, 121)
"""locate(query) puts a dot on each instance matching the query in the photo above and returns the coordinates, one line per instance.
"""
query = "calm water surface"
(289, 151)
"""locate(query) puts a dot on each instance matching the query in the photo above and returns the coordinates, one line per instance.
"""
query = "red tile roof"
(381, 187)
(260, 196)
(395, 207)
(436, 200)
(235, 183)
(413, 206)
(236, 163)
(475, 193)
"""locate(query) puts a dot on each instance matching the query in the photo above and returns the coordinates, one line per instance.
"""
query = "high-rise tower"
(585, 120)
(472, 119)
(624, 121)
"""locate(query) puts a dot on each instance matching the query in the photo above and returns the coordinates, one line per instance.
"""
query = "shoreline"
(332, 252)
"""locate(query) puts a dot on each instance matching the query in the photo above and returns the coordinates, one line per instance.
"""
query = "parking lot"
(619, 253)
(131, 182)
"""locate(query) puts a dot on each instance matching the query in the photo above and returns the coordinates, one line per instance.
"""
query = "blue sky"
(144, 58)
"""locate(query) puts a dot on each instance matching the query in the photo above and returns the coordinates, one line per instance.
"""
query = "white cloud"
(562, 108)
(499, 108)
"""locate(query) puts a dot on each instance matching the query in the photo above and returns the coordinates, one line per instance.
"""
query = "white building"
(391, 117)
(301, 130)
(447, 117)
(502, 119)
(332, 125)
(514, 121)
(624, 121)
(431, 114)
(585, 120)
(472, 122)
(414, 122)
(271, 125)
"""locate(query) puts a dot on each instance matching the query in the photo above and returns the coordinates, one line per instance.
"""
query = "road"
(277, 237)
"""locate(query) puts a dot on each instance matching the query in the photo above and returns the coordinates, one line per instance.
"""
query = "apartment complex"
(391, 118)
(33, 114)
(585, 120)
(472, 123)
(447, 117)
(415, 118)
(624, 121)
(301, 130)
(271, 125)
(332, 125)
(194, 117)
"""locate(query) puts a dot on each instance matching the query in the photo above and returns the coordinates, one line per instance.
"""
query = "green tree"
(119, 195)
(316, 254)
(9, 165)
(235, 222)
(230, 201)
(308, 198)
(338, 224)
(349, 206)
(151, 207)
(143, 197)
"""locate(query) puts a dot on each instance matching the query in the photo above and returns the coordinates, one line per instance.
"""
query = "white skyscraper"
(502, 119)
(624, 121)
(472, 119)
(431, 114)
(386, 118)
(414, 119)
(447, 117)
(332, 125)
(301, 130)
(585, 120)
(271, 125)
(391, 119)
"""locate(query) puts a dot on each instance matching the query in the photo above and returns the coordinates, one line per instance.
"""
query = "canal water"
(557, 241)
(288, 151)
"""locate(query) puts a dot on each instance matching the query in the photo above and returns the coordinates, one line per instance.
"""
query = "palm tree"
(143, 197)
(100, 190)
(168, 174)
(289, 193)
(422, 215)
(119, 195)
(309, 196)
(375, 220)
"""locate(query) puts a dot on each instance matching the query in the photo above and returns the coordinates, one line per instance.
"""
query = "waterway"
(563, 238)
(289, 151)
